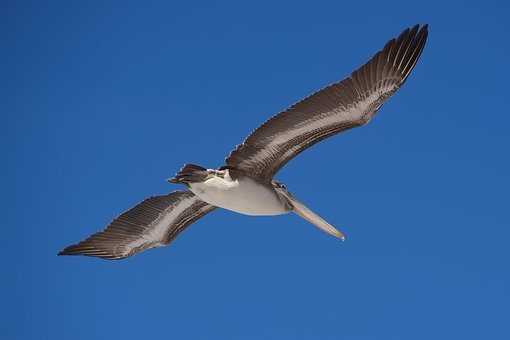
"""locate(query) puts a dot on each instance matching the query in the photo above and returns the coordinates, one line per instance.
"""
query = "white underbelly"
(244, 196)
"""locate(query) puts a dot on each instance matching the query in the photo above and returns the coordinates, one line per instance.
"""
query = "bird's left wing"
(155, 222)
(349, 103)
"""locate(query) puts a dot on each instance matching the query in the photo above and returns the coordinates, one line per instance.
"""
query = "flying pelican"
(245, 183)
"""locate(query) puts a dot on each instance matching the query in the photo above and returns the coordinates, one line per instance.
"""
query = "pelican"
(245, 183)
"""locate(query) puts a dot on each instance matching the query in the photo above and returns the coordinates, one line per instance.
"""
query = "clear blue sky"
(102, 102)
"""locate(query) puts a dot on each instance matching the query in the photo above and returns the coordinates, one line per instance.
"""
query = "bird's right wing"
(349, 103)
(154, 222)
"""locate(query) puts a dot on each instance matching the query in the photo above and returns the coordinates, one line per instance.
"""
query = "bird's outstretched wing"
(152, 223)
(349, 103)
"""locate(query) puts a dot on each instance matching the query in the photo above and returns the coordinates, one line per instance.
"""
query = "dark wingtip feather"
(71, 250)
(67, 251)
(74, 249)
(81, 250)
(423, 28)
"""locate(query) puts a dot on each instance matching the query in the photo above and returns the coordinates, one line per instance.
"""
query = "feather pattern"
(155, 222)
(349, 103)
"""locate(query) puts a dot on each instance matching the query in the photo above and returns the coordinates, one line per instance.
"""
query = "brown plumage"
(154, 222)
(349, 103)
(190, 173)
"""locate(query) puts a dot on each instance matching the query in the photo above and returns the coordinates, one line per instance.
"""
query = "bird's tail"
(190, 173)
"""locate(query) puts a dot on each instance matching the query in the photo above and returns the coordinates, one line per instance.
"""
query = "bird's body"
(243, 194)
(245, 183)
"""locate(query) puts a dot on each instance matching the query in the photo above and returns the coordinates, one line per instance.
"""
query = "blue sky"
(103, 101)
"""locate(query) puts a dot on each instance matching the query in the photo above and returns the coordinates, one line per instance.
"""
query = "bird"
(245, 183)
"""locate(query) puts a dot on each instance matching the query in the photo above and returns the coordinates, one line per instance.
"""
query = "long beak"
(313, 218)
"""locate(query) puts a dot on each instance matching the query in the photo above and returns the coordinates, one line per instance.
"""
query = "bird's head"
(279, 185)
(282, 191)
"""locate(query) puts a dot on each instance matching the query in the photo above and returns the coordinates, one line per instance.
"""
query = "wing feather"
(155, 222)
(341, 106)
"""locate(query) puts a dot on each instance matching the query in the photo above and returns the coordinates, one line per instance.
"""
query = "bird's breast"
(243, 195)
